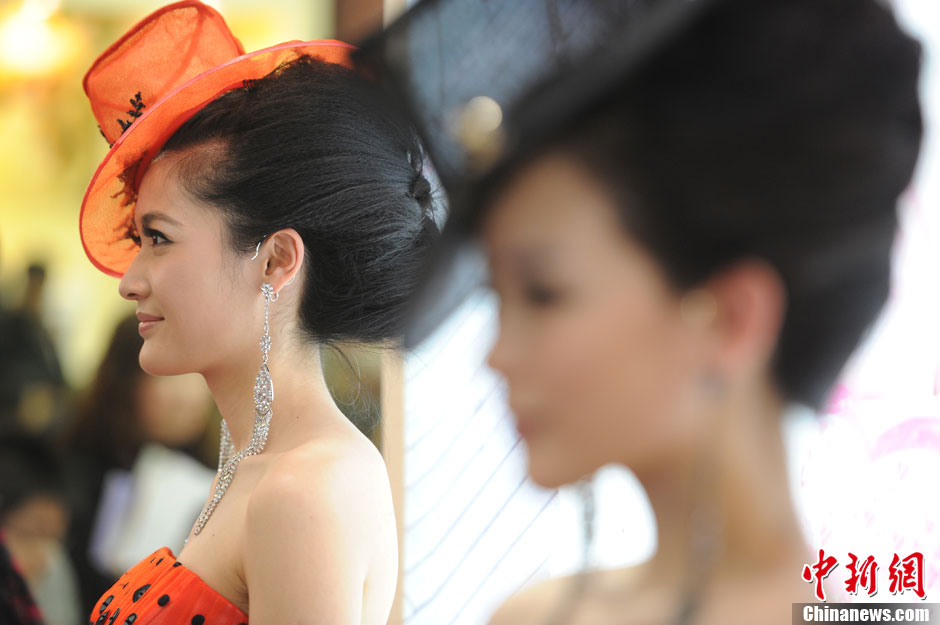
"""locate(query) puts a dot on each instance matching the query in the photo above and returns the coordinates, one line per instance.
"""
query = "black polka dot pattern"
(169, 594)
(140, 592)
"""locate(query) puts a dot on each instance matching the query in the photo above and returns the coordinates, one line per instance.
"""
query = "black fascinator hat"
(487, 82)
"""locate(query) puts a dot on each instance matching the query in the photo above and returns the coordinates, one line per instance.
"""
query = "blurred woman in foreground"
(680, 253)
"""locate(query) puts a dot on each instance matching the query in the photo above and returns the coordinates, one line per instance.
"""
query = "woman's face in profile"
(600, 365)
(195, 302)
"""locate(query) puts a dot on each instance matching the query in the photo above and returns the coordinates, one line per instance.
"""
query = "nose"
(134, 285)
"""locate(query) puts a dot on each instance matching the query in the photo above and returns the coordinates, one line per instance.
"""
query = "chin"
(554, 470)
(154, 363)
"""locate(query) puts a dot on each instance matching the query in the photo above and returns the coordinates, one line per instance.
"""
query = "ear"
(750, 298)
(283, 254)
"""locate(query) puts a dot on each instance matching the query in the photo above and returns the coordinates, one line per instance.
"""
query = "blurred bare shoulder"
(533, 605)
(596, 597)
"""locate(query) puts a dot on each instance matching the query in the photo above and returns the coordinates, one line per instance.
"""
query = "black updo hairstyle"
(781, 130)
(312, 147)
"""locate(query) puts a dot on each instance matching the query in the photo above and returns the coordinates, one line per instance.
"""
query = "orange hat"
(144, 87)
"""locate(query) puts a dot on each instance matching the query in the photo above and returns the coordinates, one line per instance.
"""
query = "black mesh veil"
(488, 81)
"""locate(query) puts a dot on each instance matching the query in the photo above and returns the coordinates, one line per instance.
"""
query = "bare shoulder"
(337, 472)
(568, 596)
(532, 605)
(320, 517)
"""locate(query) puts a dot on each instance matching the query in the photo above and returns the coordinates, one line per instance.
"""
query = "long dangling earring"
(264, 386)
(263, 397)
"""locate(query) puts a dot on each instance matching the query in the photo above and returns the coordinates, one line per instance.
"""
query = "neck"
(299, 388)
(724, 511)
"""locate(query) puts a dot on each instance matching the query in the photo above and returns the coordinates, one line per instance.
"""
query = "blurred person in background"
(258, 207)
(688, 231)
(138, 453)
(32, 387)
(34, 518)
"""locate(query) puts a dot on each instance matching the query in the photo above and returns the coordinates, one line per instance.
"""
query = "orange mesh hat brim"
(108, 206)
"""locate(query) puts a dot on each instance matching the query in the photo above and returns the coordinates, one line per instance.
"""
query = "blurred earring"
(263, 398)
(569, 601)
(699, 308)
(706, 542)
(586, 494)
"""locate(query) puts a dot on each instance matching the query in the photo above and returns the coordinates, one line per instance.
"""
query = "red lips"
(144, 317)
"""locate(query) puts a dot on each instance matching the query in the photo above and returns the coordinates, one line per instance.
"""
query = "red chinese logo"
(903, 574)
(907, 574)
(864, 574)
(819, 571)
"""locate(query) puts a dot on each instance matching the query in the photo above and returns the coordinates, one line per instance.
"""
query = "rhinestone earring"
(263, 398)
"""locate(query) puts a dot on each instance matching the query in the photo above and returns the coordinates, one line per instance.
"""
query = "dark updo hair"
(311, 147)
(782, 130)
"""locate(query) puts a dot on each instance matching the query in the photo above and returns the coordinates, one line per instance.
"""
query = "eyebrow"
(528, 259)
(149, 218)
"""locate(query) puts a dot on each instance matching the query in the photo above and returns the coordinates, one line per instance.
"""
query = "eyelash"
(535, 294)
(149, 233)
(541, 296)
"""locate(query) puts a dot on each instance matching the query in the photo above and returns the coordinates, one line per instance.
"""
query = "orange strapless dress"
(161, 591)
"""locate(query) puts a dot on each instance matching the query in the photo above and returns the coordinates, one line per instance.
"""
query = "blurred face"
(194, 300)
(601, 367)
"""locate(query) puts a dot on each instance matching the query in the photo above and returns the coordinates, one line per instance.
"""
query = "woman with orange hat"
(687, 208)
(257, 207)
